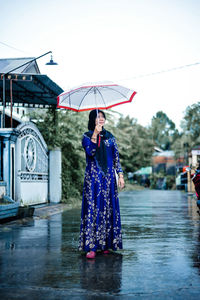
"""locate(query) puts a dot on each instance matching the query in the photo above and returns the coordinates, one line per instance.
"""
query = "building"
(164, 161)
(29, 172)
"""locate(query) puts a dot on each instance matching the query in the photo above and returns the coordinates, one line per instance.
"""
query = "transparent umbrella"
(95, 96)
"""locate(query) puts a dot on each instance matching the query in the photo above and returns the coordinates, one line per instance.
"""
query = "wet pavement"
(160, 260)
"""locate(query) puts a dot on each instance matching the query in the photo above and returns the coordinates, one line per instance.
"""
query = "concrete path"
(160, 260)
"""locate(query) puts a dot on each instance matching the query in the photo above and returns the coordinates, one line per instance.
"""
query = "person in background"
(100, 216)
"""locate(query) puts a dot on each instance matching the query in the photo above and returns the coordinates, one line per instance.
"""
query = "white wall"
(34, 193)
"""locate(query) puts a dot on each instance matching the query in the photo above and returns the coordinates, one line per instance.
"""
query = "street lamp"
(51, 62)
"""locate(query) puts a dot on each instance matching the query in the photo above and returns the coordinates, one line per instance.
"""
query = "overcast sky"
(115, 40)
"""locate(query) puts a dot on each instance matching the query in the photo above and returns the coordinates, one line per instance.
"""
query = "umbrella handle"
(99, 142)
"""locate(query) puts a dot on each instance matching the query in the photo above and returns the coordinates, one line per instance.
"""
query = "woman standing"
(100, 216)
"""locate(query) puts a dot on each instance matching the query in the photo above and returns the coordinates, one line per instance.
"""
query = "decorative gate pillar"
(55, 181)
(31, 166)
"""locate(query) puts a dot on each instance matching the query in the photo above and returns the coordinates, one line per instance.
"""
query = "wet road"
(160, 260)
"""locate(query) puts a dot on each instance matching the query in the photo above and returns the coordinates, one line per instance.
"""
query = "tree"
(164, 132)
(191, 123)
(135, 144)
(190, 135)
(64, 129)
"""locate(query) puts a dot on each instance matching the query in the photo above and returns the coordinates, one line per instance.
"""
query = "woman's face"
(100, 119)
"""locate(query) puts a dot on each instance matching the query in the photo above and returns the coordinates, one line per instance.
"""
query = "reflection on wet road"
(160, 260)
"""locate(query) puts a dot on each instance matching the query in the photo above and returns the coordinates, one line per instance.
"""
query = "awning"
(144, 171)
(30, 90)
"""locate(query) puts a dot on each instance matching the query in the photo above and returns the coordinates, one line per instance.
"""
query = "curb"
(41, 212)
(51, 209)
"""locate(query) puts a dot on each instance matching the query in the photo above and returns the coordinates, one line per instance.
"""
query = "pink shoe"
(91, 254)
(106, 252)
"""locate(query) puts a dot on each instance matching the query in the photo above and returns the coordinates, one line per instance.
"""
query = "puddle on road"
(161, 239)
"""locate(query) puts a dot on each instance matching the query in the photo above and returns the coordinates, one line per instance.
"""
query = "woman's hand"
(98, 129)
(121, 182)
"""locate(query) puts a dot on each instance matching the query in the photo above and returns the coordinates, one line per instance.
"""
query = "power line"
(159, 72)
(129, 78)
(12, 47)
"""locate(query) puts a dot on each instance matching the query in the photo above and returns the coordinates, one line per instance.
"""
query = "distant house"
(194, 157)
(164, 161)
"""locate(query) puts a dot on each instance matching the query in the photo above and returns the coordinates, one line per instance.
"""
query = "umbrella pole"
(97, 115)
(95, 92)
(95, 97)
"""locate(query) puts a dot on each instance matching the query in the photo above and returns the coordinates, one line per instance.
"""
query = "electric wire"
(134, 77)
(160, 72)
(11, 47)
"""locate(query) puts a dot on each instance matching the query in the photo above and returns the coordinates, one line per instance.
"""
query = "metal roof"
(7, 64)
(144, 171)
(37, 91)
(29, 88)
(167, 153)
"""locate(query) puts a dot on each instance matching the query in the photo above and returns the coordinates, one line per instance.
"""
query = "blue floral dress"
(100, 217)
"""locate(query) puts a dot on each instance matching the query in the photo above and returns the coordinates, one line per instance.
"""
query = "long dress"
(100, 217)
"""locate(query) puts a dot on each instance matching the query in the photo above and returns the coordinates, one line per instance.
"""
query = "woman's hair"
(92, 118)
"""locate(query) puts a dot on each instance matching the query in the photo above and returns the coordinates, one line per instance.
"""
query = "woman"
(100, 217)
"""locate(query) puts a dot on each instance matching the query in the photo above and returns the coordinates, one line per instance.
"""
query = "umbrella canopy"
(91, 96)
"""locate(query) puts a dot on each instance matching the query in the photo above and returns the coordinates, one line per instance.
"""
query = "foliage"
(170, 182)
(182, 146)
(64, 129)
(191, 125)
(154, 177)
(164, 132)
(190, 136)
(167, 181)
(135, 144)
(191, 120)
